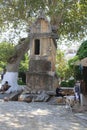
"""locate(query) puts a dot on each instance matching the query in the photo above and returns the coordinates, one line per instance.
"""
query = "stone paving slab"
(37, 116)
(82, 115)
(4, 95)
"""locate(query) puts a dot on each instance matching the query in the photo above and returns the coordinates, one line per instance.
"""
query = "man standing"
(77, 91)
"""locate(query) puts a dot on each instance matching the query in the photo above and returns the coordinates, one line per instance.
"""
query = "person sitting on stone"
(5, 87)
(59, 92)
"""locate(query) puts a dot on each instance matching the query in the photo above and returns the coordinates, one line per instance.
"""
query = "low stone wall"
(67, 90)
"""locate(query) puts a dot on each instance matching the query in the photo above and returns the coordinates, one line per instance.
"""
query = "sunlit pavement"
(38, 116)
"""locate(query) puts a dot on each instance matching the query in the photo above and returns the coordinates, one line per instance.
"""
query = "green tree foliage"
(72, 61)
(6, 50)
(82, 51)
(61, 64)
(69, 16)
(74, 69)
(65, 69)
(24, 64)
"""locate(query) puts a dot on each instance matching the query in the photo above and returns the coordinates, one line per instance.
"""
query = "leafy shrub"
(69, 83)
(20, 82)
(64, 84)
(22, 76)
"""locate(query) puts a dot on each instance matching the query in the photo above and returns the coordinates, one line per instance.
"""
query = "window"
(37, 47)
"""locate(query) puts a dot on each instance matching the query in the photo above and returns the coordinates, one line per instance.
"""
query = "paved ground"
(38, 116)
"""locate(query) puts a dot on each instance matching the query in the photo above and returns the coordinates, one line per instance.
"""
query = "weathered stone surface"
(39, 65)
(41, 73)
(2, 95)
(14, 96)
(6, 99)
(39, 91)
(59, 100)
(43, 97)
(25, 97)
(41, 81)
(56, 100)
(22, 99)
(68, 91)
(51, 93)
(26, 92)
(10, 96)
(33, 92)
(39, 116)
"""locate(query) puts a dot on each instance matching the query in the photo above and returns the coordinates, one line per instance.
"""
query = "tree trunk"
(11, 74)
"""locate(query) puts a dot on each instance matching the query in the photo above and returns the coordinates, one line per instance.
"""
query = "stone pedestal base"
(41, 81)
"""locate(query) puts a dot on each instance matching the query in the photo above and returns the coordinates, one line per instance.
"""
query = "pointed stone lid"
(42, 15)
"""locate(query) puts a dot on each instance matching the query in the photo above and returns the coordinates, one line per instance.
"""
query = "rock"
(67, 91)
(56, 100)
(51, 93)
(39, 91)
(59, 100)
(33, 92)
(6, 99)
(2, 95)
(14, 96)
(26, 92)
(25, 98)
(42, 97)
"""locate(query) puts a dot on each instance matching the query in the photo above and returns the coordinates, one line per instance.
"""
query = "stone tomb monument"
(41, 74)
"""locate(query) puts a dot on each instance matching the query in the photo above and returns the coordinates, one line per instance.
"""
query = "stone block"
(43, 97)
(14, 96)
(56, 100)
(51, 93)
(59, 100)
(25, 98)
(39, 65)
